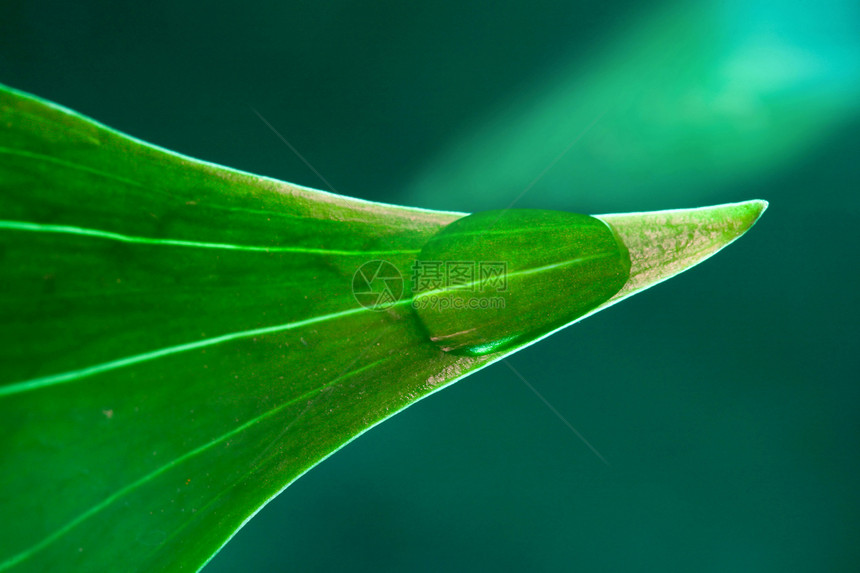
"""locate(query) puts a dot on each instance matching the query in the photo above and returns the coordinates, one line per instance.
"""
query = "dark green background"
(726, 400)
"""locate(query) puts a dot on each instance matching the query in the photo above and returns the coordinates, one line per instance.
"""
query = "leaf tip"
(748, 213)
(663, 244)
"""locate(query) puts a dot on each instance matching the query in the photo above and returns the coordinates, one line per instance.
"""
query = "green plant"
(181, 341)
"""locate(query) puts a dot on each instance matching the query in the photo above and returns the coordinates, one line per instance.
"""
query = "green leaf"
(181, 341)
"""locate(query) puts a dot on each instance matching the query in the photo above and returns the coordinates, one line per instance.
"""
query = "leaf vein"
(74, 375)
(109, 235)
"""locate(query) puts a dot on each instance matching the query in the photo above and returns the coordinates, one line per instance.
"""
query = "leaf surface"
(181, 341)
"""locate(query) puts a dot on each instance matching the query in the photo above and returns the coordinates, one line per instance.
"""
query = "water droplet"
(496, 279)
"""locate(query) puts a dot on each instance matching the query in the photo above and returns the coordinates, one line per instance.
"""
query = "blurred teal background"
(726, 400)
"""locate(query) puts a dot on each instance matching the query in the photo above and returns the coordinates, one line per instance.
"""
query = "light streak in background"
(696, 98)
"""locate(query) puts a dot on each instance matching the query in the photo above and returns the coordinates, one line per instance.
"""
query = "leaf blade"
(215, 377)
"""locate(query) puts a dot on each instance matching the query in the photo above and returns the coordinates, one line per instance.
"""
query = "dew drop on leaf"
(494, 279)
